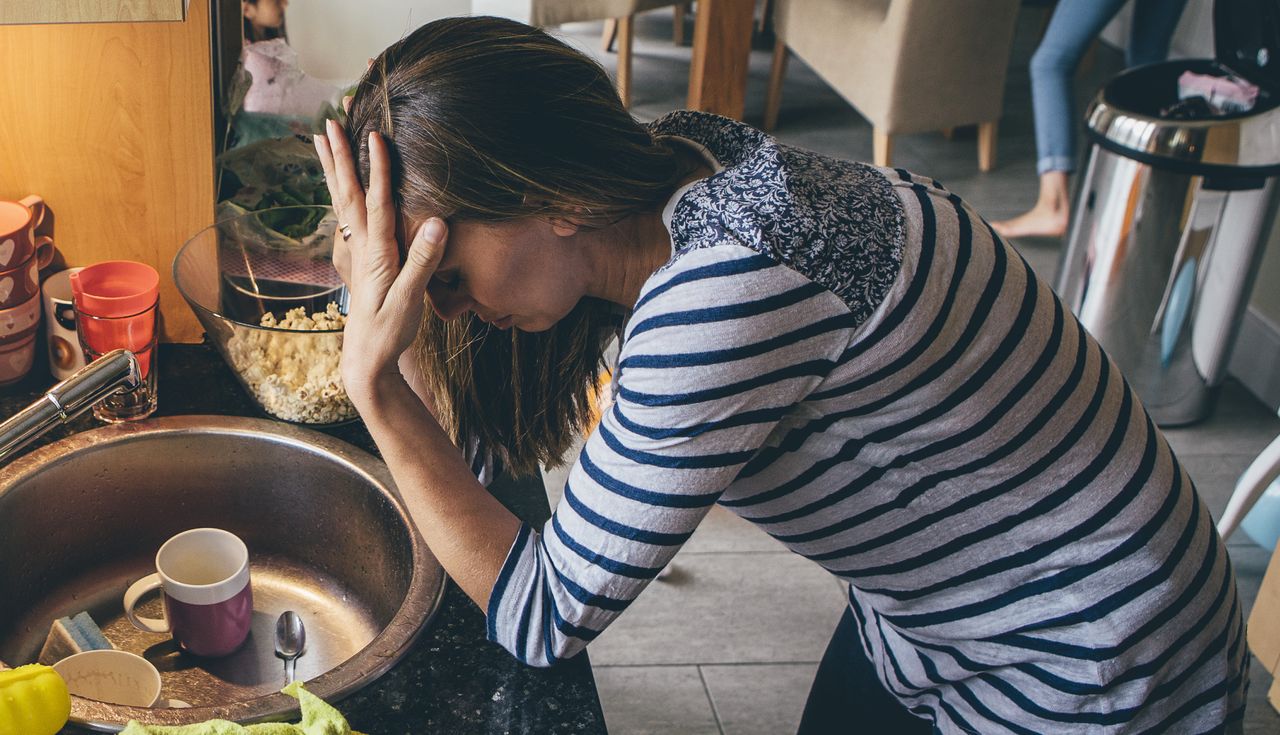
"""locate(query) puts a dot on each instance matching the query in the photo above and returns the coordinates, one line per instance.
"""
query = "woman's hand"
(387, 299)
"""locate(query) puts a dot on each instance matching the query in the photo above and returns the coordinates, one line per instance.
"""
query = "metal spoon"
(291, 639)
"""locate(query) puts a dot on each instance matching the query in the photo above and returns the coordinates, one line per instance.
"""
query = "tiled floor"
(729, 642)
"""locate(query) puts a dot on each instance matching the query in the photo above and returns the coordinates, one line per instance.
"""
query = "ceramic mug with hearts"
(18, 323)
(16, 359)
(18, 239)
(18, 285)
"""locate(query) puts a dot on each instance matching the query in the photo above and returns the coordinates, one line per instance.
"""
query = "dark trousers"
(847, 696)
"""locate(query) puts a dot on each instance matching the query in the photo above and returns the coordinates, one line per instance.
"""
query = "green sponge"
(318, 718)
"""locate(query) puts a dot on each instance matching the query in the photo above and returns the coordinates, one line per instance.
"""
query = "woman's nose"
(448, 304)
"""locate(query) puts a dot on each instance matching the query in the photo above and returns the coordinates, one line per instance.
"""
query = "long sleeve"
(722, 345)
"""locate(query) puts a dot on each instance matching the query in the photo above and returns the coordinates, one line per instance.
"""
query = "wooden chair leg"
(773, 95)
(987, 145)
(882, 144)
(626, 33)
(610, 34)
(677, 26)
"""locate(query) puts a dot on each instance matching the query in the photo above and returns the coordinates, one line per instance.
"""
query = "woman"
(263, 19)
(844, 355)
(1072, 28)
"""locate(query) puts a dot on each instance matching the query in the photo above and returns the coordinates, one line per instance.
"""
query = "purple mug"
(208, 602)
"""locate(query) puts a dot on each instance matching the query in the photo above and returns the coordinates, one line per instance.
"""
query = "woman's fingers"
(348, 192)
(371, 254)
(342, 258)
(421, 262)
(326, 163)
(341, 254)
(381, 228)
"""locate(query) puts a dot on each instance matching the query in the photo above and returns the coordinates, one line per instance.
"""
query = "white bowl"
(116, 677)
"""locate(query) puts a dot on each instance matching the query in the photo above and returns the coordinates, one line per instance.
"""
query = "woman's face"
(265, 13)
(524, 273)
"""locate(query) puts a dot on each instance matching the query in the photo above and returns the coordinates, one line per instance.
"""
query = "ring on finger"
(346, 232)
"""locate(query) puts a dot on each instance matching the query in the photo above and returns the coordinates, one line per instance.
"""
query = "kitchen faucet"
(114, 372)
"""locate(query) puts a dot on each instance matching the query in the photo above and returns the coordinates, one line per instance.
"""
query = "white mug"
(208, 601)
(65, 355)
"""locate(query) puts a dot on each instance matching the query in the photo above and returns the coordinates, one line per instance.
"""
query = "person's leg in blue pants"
(1074, 25)
(1154, 22)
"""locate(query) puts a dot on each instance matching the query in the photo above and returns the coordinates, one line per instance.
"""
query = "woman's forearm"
(412, 372)
(468, 530)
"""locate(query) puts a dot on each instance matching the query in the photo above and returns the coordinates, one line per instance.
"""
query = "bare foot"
(1043, 220)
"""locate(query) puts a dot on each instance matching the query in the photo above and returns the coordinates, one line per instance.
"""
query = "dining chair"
(907, 66)
(554, 12)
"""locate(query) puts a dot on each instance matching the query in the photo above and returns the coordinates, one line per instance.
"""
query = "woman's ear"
(564, 227)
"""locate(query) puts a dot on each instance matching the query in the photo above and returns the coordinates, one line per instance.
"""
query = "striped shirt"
(851, 359)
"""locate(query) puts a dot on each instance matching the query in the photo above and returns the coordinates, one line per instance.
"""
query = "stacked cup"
(116, 303)
(22, 255)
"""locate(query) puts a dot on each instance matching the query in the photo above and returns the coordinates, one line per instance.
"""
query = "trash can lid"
(1126, 118)
(1128, 115)
(1246, 40)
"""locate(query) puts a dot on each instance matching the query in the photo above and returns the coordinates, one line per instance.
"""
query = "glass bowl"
(264, 287)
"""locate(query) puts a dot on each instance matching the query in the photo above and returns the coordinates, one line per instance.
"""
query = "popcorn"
(295, 377)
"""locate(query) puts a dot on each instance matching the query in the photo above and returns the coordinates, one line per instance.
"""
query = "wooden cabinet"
(112, 123)
(91, 11)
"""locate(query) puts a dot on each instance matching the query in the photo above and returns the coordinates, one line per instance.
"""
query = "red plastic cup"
(121, 296)
(116, 304)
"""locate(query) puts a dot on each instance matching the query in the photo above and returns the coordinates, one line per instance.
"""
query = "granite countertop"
(453, 680)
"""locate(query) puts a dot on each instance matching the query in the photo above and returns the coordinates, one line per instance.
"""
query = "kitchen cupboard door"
(91, 11)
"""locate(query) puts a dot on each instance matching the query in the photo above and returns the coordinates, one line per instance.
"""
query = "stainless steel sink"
(82, 518)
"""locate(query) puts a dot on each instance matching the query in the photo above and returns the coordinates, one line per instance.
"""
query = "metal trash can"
(1172, 215)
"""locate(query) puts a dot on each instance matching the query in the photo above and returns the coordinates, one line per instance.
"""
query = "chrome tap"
(116, 371)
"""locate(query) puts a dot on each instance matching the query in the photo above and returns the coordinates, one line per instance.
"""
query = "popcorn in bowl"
(295, 377)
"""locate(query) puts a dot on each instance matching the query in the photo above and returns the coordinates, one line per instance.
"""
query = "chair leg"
(773, 95)
(610, 34)
(1252, 484)
(626, 33)
(882, 144)
(987, 145)
(677, 26)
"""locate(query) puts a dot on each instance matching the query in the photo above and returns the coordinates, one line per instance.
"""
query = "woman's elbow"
(546, 655)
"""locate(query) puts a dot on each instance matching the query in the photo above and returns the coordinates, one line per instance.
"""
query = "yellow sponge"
(33, 701)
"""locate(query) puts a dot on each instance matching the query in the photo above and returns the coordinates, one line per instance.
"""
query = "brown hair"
(491, 120)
